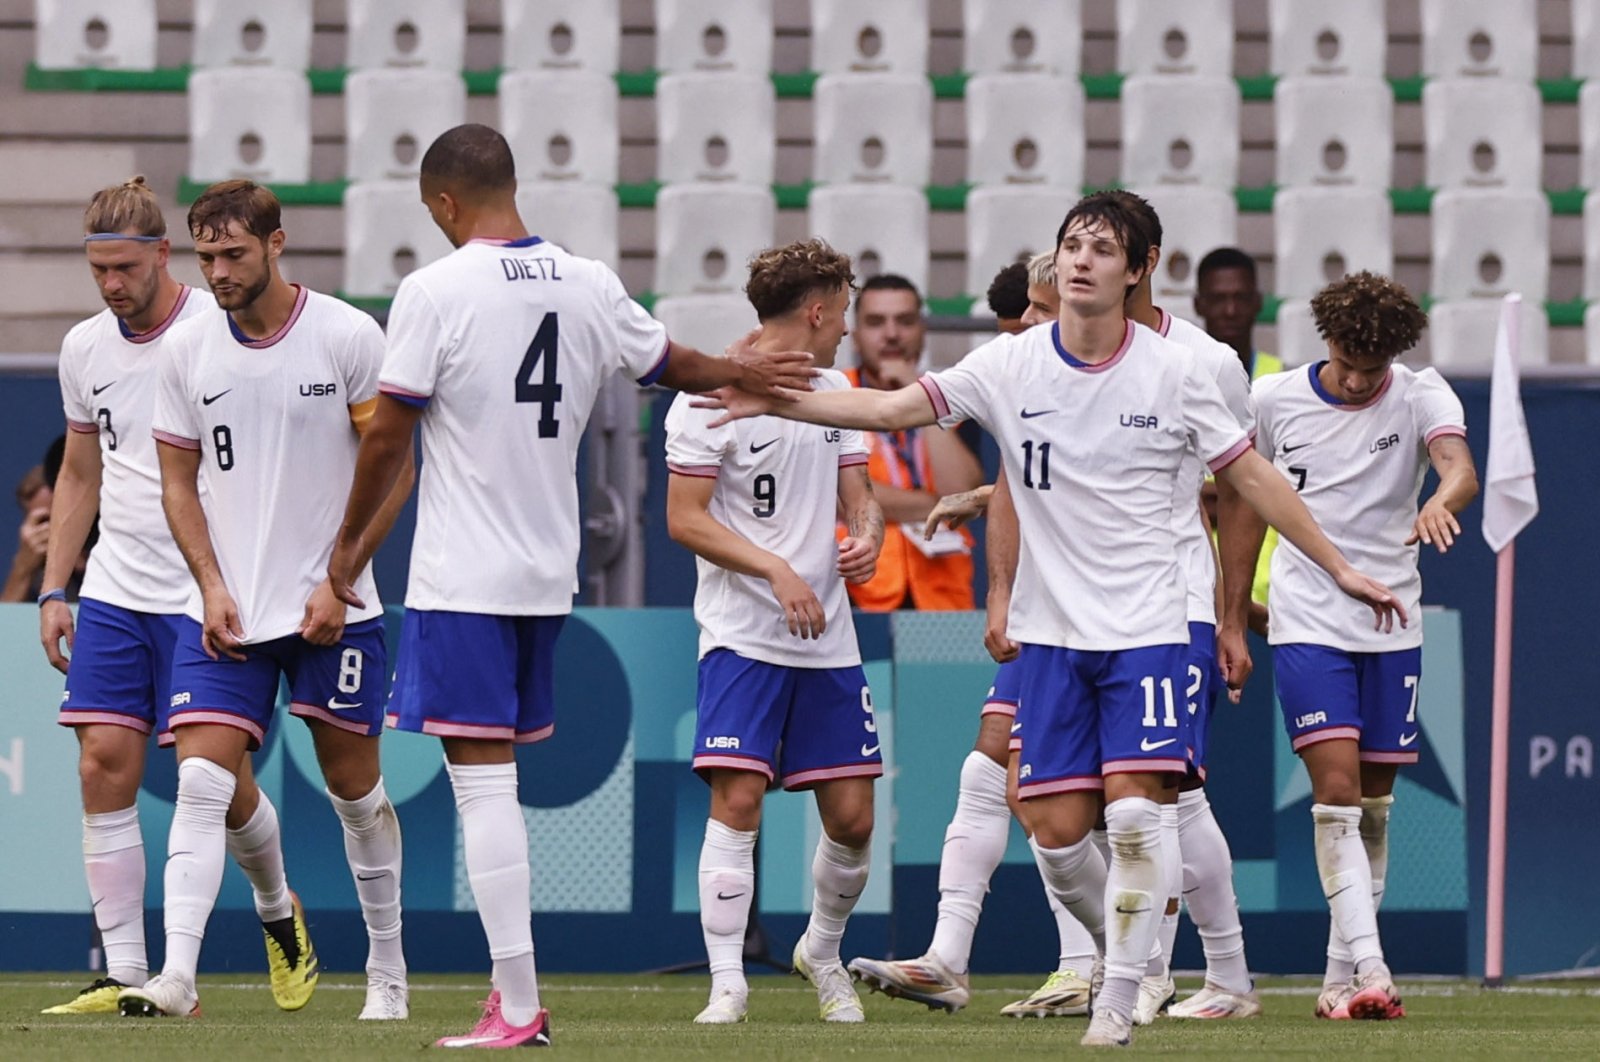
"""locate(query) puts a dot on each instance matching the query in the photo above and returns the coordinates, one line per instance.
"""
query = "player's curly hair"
(130, 208)
(253, 206)
(782, 277)
(1368, 316)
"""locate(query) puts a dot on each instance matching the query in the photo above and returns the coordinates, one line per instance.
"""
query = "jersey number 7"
(547, 392)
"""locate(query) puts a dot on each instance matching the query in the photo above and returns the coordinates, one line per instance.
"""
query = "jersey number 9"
(766, 493)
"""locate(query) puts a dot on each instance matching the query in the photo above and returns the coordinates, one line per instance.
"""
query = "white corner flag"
(1510, 500)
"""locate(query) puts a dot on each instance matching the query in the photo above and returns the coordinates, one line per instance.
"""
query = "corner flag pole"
(1499, 755)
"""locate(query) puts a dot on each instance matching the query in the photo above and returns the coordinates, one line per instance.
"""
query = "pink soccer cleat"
(492, 1030)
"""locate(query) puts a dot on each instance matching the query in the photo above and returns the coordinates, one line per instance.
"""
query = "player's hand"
(954, 510)
(55, 623)
(735, 404)
(324, 620)
(221, 632)
(773, 374)
(1260, 620)
(1435, 526)
(342, 569)
(801, 608)
(1001, 647)
(1384, 604)
(1233, 658)
(858, 559)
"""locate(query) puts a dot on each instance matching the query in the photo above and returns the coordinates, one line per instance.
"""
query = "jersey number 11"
(547, 392)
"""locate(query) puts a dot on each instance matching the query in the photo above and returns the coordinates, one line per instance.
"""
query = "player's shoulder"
(198, 301)
(831, 380)
(1281, 384)
(80, 338)
(1212, 353)
(1423, 388)
(332, 316)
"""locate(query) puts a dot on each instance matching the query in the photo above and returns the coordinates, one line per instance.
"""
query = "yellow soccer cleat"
(98, 998)
(291, 959)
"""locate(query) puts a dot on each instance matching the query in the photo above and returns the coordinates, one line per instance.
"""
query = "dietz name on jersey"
(1384, 443)
(529, 268)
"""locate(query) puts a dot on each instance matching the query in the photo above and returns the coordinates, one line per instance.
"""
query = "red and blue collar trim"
(283, 330)
(496, 241)
(1083, 366)
(1314, 372)
(144, 337)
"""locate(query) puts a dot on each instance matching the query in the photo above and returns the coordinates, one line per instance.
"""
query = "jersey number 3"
(547, 392)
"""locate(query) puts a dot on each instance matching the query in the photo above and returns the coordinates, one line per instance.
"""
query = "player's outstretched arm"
(180, 500)
(858, 552)
(1240, 532)
(1002, 545)
(958, 510)
(1270, 495)
(72, 513)
(864, 408)
(381, 474)
(772, 373)
(1458, 484)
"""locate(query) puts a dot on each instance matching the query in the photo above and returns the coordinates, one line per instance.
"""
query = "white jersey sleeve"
(641, 339)
(1266, 431)
(694, 448)
(363, 362)
(1214, 430)
(417, 344)
(1435, 406)
(80, 415)
(968, 389)
(175, 421)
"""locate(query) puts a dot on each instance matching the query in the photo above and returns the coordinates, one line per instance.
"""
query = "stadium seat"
(708, 323)
(107, 34)
(1585, 38)
(560, 35)
(562, 127)
(391, 116)
(1006, 225)
(1345, 39)
(252, 33)
(431, 33)
(1022, 36)
(1589, 134)
(1591, 245)
(577, 215)
(1298, 341)
(1320, 234)
(267, 141)
(1180, 130)
(715, 127)
(1591, 334)
(1489, 243)
(1482, 132)
(883, 37)
(1025, 129)
(728, 36)
(1461, 333)
(884, 229)
(1194, 222)
(1334, 130)
(706, 233)
(873, 127)
(1480, 38)
(387, 232)
(1175, 37)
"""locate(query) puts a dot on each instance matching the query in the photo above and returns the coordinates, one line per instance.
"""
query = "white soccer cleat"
(926, 980)
(1155, 995)
(836, 996)
(727, 1007)
(1063, 995)
(1334, 1001)
(163, 996)
(387, 999)
(1213, 1003)
(1375, 997)
(1108, 1030)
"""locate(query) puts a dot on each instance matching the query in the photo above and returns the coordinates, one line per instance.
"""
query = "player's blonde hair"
(129, 208)
(1368, 315)
(1042, 269)
(782, 277)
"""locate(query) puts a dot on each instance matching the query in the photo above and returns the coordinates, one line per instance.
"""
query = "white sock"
(1208, 892)
(1347, 881)
(257, 847)
(727, 884)
(974, 844)
(113, 861)
(838, 875)
(1172, 878)
(1375, 839)
(495, 840)
(1135, 883)
(1076, 877)
(1102, 844)
(196, 849)
(1077, 946)
(372, 848)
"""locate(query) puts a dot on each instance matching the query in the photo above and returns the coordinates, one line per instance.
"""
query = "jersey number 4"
(547, 392)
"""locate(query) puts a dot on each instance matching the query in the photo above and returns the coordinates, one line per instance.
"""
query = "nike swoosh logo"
(206, 400)
(757, 449)
(729, 895)
(1015, 727)
(869, 750)
(1406, 739)
(1029, 414)
(372, 877)
(335, 705)
(1146, 745)
(1136, 910)
(102, 387)
(1291, 449)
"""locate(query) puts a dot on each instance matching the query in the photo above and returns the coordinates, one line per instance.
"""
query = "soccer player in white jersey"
(782, 696)
(1094, 417)
(258, 415)
(131, 608)
(1355, 435)
(499, 350)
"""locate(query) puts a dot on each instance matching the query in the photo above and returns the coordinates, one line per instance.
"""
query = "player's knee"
(737, 806)
(1337, 787)
(350, 780)
(109, 770)
(851, 828)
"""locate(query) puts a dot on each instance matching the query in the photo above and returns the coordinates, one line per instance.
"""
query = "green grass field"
(643, 1017)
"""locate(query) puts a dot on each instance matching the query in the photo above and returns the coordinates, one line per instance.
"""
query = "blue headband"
(94, 237)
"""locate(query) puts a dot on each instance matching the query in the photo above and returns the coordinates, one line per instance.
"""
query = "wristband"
(58, 594)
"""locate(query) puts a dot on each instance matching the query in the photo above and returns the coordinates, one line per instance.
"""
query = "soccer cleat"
(291, 959)
(387, 999)
(1334, 1002)
(492, 1030)
(726, 1008)
(926, 980)
(98, 998)
(1155, 995)
(1211, 1002)
(1063, 995)
(163, 996)
(835, 994)
(1108, 1030)
(1374, 997)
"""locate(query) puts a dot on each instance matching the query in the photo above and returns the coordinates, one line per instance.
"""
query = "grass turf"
(644, 1017)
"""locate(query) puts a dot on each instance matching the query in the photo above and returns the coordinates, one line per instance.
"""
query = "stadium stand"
(1194, 220)
(560, 35)
(1340, 40)
(1323, 233)
(1013, 124)
(716, 127)
(268, 141)
(706, 321)
(873, 127)
(1021, 36)
(714, 36)
(578, 215)
(387, 233)
(108, 34)
(1334, 130)
(1482, 132)
(561, 126)
(1003, 225)
(706, 232)
(410, 33)
(252, 33)
(1480, 38)
(391, 116)
(1175, 37)
(885, 37)
(1180, 129)
(883, 227)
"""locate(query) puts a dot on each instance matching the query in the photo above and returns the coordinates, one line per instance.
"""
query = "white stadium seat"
(1022, 36)
(1586, 39)
(723, 35)
(1480, 38)
(1591, 334)
(1320, 234)
(1344, 39)
(715, 127)
(1334, 130)
(873, 127)
(1482, 132)
(560, 35)
(431, 33)
(1589, 133)
(1461, 333)
(1025, 129)
(1591, 245)
(709, 323)
(1180, 130)
(1489, 243)
(267, 141)
(579, 216)
(1175, 37)
(885, 36)
(392, 116)
(1298, 341)
(387, 232)
(883, 228)
(562, 127)
(108, 34)
(252, 33)
(1194, 222)
(706, 235)
(1006, 225)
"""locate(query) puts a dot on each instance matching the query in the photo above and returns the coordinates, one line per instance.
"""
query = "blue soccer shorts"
(1006, 691)
(1370, 698)
(1202, 684)
(121, 668)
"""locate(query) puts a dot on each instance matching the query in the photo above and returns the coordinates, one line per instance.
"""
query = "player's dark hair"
(1141, 209)
(783, 278)
(889, 282)
(1108, 209)
(1226, 258)
(1368, 316)
(1008, 291)
(246, 202)
(471, 158)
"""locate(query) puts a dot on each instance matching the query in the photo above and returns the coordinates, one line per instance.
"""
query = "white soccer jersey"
(1218, 361)
(271, 418)
(109, 380)
(777, 486)
(1359, 470)
(1092, 454)
(507, 345)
